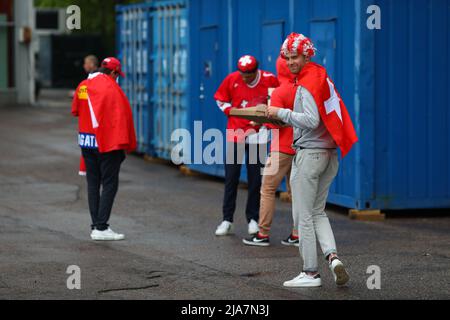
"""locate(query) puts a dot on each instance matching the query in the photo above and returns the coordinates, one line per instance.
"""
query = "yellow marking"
(82, 93)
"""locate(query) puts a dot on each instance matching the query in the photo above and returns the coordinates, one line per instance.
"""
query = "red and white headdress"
(298, 44)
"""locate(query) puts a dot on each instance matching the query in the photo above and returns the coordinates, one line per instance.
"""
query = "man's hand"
(272, 112)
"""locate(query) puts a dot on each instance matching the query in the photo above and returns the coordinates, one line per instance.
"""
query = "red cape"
(332, 109)
(112, 115)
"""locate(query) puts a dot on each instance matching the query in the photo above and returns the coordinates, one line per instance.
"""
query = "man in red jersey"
(279, 162)
(106, 131)
(244, 88)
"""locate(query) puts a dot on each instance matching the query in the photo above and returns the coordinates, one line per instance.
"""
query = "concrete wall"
(24, 58)
(21, 84)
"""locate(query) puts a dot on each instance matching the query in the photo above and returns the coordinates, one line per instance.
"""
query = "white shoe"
(253, 227)
(225, 228)
(304, 281)
(340, 275)
(106, 235)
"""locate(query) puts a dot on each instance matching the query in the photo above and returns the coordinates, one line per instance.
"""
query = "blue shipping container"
(133, 40)
(394, 81)
(153, 43)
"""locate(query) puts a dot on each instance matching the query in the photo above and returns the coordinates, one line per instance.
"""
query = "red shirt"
(283, 97)
(80, 109)
(235, 93)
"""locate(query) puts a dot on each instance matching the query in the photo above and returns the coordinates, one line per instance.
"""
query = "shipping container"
(394, 81)
(134, 40)
(153, 43)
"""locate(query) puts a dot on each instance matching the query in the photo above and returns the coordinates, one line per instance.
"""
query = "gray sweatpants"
(313, 171)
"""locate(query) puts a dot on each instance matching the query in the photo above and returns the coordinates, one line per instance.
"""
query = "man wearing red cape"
(106, 133)
(321, 125)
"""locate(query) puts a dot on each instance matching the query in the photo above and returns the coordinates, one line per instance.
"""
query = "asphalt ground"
(169, 219)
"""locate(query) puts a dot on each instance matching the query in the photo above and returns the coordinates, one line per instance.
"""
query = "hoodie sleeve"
(309, 118)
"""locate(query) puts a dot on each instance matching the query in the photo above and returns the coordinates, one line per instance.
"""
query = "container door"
(127, 58)
(159, 79)
(141, 46)
(272, 37)
(133, 40)
(324, 37)
(209, 81)
(170, 41)
(212, 117)
(323, 34)
(144, 81)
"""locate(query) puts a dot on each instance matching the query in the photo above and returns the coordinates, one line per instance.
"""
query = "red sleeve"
(75, 103)
(276, 100)
(224, 93)
(274, 83)
(270, 80)
(227, 111)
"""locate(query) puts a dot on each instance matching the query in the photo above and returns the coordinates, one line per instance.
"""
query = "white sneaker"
(340, 275)
(304, 281)
(225, 228)
(106, 235)
(253, 227)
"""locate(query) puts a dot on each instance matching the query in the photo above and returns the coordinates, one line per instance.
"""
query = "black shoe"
(257, 240)
(291, 241)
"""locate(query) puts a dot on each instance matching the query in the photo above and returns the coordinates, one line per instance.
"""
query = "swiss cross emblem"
(244, 104)
(333, 103)
(245, 60)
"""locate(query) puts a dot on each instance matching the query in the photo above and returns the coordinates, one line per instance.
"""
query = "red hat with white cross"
(247, 64)
(113, 64)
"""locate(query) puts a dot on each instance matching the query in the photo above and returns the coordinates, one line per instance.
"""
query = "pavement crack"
(155, 271)
(129, 289)
(251, 275)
